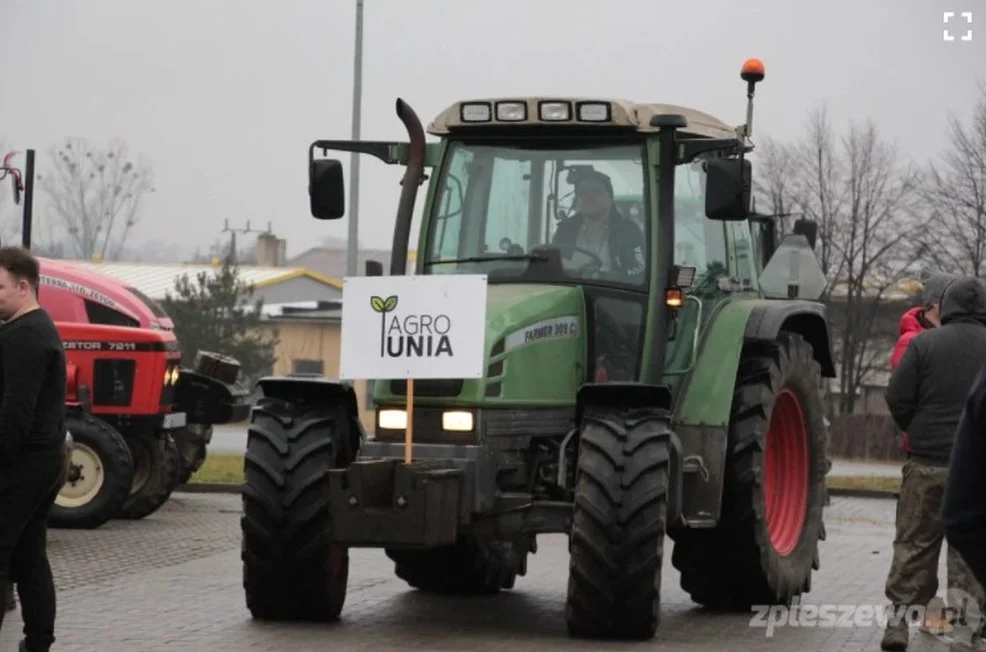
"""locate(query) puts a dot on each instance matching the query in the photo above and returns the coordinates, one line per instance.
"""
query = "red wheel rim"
(786, 473)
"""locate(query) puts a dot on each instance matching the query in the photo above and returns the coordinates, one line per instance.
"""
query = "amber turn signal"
(674, 297)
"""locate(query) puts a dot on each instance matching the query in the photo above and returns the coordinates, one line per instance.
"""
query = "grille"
(113, 382)
(446, 388)
(527, 423)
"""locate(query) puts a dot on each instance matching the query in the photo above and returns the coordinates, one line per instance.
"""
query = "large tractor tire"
(292, 570)
(101, 471)
(619, 522)
(463, 569)
(765, 547)
(155, 475)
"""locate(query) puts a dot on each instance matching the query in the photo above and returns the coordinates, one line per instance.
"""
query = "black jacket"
(927, 391)
(626, 241)
(964, 510)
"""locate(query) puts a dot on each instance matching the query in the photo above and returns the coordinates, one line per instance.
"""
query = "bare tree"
(95, 194)
(881, 206)
(955, 192)
(9, 211)
(864, 200)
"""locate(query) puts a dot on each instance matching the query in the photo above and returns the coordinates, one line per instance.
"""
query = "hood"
(909, 322)
(964, 298)
(512, 307)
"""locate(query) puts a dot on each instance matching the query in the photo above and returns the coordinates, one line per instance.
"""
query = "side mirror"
(326, 191)
(374, 268)
(809, 229)
(727, 189)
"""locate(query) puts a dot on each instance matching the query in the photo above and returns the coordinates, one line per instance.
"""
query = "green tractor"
(669, 384)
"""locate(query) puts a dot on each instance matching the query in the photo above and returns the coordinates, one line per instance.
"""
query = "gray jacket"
(927, 392)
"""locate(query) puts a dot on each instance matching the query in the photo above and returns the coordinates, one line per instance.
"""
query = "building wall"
(304, 345)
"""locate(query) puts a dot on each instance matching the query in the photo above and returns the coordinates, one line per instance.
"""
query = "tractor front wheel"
(765, 547)
(292, 569)
(100, 472)
(155, 475)
(620, 516)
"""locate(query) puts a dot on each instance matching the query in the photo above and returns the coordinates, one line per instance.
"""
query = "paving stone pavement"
(172, 582)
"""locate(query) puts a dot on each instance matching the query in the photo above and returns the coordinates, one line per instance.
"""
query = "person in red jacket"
(916, 320)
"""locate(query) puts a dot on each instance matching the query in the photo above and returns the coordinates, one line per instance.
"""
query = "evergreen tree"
(218, 313)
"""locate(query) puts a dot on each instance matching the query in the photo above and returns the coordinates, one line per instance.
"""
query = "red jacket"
(908, 328)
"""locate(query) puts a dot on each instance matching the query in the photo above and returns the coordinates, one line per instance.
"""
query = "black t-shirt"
(32, 386)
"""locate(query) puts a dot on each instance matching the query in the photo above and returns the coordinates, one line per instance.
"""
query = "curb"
(864, 493)
(228, 488)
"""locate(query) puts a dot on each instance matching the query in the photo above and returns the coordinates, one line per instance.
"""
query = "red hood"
(909, 321)
(59, 277)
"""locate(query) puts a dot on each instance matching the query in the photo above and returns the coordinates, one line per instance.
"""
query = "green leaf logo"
(383, 306)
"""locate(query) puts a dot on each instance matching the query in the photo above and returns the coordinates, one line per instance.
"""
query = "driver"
(597, 227)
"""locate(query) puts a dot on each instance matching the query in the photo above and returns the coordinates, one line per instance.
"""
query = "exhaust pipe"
(413, 176)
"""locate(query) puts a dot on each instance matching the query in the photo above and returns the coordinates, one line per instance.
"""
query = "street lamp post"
(353, 240)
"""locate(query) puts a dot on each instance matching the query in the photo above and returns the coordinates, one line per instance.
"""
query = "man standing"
(964, 512)
(917, 320)
(926, 396)
(32, 441)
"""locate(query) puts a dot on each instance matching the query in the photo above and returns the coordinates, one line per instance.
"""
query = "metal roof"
(155, 280)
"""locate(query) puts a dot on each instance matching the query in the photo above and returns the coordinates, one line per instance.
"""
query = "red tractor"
(140, 422)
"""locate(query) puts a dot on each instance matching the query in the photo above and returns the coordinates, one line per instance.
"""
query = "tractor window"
(100, 314)
(742, 263)
(698, 241)
(451, 202)
(151, 304)
(513, 199)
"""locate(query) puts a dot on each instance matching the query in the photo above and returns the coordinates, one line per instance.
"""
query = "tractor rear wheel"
(620, 516)
(463, 569)
(292, 569)
(766, 544)
(155, 475)
(100, 473)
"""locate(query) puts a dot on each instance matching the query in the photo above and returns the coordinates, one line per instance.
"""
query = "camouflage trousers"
(913, 578)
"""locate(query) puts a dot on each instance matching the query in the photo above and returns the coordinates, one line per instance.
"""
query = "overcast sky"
(225, 96)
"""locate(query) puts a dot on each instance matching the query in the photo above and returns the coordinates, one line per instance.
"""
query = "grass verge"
(221, 468)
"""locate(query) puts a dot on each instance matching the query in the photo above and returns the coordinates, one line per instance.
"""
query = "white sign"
(431, 326)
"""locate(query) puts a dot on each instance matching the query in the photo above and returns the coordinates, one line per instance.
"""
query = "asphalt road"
(172, 582)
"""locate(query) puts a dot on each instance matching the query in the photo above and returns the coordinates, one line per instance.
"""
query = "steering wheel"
(593, 266)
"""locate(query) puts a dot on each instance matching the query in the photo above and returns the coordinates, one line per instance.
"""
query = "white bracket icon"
(946, 36)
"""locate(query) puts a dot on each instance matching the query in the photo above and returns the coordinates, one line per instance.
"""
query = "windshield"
(496, 205)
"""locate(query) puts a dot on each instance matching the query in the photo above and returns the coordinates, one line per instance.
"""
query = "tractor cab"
(632, 218)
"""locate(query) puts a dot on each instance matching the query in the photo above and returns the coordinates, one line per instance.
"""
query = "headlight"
(457, 421)
(555, 111)
(511, 111)
(171, 375)
(392, 419)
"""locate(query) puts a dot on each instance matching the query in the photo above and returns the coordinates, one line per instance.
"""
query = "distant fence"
(865, 437)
